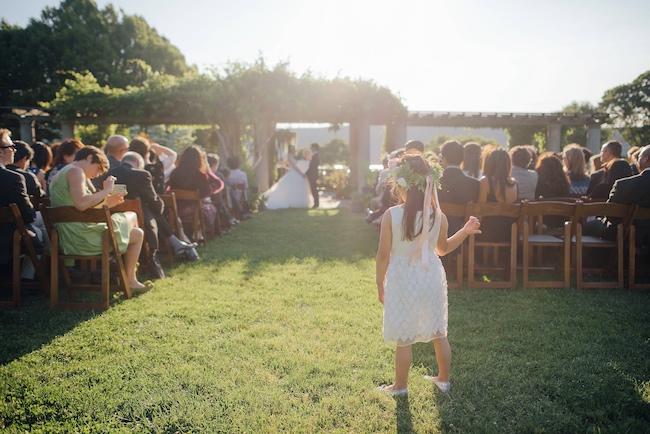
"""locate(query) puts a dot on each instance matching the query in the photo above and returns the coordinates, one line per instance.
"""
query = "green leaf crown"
(406, 178)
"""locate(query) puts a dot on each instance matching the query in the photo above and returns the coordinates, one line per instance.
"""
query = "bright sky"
(438, 55)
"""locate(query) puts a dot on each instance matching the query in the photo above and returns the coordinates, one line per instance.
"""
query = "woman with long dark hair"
(497, 185)
(552, 181)
(411, 281)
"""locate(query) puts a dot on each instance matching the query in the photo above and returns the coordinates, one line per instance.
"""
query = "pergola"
(359, 130)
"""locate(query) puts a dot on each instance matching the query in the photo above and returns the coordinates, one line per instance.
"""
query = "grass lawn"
(278, 328)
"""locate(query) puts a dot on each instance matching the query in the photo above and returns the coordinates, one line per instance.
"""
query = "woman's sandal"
(444, 386)
(397, 392)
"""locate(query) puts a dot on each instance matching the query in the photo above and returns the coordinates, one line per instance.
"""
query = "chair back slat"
(186, 194)
(488, 209)
(455, 209)
(69, 214)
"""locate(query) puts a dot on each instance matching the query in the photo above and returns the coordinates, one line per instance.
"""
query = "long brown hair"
(551, 173)
(498, 167)
(414, 197)
(67, 147)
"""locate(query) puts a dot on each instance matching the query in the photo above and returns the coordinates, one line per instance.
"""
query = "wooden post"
(553, 137)
(359, 152)
(27, 132)
(593, 138)
(263, 132)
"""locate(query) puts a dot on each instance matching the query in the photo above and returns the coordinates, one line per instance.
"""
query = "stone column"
(27, 132)
(395, 136)
(67, 129)
(593, 138)
(553, 137)
(359, 153)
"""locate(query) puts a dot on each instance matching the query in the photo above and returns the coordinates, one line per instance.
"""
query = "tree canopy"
(629, 108)
(77, 36)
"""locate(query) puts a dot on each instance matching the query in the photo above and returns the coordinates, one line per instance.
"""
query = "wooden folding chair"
(196, 220)
(582, 242)
(11, 214)
(639, 213)
(242, 196)
(174, 223)
(454, 210)
(493, 209)
(69, 214)
(536, 234)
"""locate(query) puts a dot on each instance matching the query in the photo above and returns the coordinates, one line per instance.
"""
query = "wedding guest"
(613, 170)
(526, 179)
(552, 182)
(497, 185)
(192, 173)
(414, 145)
(610, 151)
(471, 164)
(115, 148)
(416, 228)
(22, 157)
(573, 159)
(631, 159)
(220, 199)
(13, 191)
(70, 188)
(41, 162)
(64, 155)
(239, 181)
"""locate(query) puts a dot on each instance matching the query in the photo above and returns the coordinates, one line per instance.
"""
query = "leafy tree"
(77, 36)
(435, 143)
(336, 151)
(629, 108)
(527, 135)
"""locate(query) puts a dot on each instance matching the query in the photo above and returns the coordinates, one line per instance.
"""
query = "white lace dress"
(415, 300)
(292, 190)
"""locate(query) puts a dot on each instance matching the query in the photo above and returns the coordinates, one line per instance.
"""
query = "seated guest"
(552, 181)
(526, 179)
(497, 185)
(115, 148)
(414, 145)
(455, 186)
(64, 155)
(227, 219)
(13, 191)
(612, 171)
(633, 190)
(192, 173)
(575, 167)
(22, 157)
(631, 159)
(138, 185)
(41, 162)
(471, 164)
(70, 188)
(239, 179)
(609, 152)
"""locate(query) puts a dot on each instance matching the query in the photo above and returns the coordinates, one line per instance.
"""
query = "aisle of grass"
(277, 328)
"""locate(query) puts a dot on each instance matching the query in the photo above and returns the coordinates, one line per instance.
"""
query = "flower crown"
(406, 178)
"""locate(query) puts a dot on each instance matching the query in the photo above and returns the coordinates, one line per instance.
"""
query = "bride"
(292, 190)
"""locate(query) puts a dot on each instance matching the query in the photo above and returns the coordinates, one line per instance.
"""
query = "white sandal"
(397, 392)
(444, 386)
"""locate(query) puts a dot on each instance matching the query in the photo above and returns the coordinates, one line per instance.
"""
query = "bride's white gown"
(292, 190)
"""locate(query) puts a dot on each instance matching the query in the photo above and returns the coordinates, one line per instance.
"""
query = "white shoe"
(444, 386)
(397, 392)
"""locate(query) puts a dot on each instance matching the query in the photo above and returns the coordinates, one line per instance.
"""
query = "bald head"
(116, 146)
(644, 158)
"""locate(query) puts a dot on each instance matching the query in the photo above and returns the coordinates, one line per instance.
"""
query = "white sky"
(442, 55)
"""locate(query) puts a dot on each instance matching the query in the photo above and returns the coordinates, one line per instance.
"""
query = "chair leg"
(579, 257)
(54, 271)
(619, 247)
(632, 258)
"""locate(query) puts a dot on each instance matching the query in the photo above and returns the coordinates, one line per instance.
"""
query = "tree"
(79, 37)
(629, 108)
(578, 134)
(336, 151)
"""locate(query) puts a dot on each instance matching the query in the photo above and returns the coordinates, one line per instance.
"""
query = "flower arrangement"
(406, 178)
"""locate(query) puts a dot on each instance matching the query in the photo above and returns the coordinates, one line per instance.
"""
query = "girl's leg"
(443, 357)
(403, 359)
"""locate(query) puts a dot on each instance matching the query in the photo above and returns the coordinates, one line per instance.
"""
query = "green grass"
(278, 328)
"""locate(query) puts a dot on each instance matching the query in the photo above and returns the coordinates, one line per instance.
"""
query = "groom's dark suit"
(312, 175)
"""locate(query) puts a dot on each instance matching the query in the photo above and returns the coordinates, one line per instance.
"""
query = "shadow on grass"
(403, 415)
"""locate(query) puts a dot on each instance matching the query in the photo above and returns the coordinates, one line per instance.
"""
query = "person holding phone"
(70, 187)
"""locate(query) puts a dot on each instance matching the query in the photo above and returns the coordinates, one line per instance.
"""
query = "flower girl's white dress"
(415, 300)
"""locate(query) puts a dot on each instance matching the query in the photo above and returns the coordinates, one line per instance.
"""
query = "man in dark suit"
(13, 191)
(22, 157)
(139, 184)
(455, 186)
(312, 172)
(610, 151)
(634, 190)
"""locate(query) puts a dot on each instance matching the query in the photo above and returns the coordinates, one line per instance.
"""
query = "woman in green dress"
(71, 187)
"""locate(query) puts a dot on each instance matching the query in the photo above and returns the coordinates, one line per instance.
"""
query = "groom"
(312, 172)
